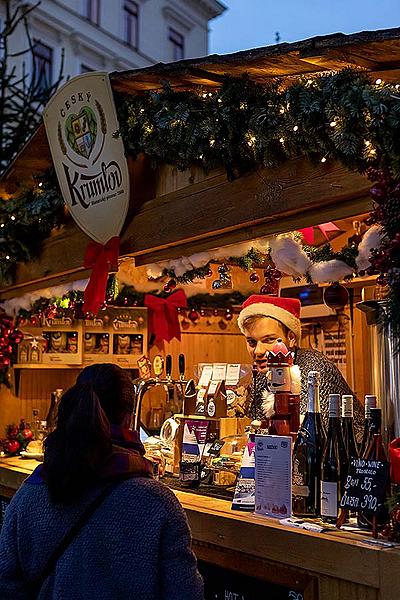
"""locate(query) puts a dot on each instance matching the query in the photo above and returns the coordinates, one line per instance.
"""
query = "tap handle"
(168, 366)
(181, 362)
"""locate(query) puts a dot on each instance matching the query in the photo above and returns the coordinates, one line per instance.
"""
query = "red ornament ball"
(193, 315)
(336, 296)
(228, 315)
(254, 277)
(166, 288)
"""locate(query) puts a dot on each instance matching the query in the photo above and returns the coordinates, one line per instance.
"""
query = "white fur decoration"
(15, 304)
(331, 270)
(371, 239)
(154, 271)
(200, 259)
(268, 403)
(289, 257)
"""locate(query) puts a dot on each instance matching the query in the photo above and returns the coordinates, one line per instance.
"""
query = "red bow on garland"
(163, 315)
(101, 258)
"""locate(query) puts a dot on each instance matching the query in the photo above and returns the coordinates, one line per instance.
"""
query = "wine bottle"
(348, 427)
(374, 451)
(333, 465)
(370, 402)
(307, 455)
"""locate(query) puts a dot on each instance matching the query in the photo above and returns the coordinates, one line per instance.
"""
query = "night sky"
(253, 23)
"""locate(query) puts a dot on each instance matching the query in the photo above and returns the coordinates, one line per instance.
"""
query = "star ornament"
(34, 343)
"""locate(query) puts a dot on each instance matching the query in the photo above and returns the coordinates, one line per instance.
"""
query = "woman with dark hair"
(91, 522)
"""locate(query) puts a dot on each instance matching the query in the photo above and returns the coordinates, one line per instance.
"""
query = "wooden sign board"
(365, 485)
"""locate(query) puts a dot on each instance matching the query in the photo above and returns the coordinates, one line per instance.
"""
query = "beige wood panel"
(331, 588)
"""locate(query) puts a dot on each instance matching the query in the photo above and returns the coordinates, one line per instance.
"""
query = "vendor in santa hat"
(264, 319)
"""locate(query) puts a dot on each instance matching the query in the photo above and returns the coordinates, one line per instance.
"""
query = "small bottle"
(51, 418)
(307, 455)
(370, 402)
(333, 465)
(374, 451)
(348, 427)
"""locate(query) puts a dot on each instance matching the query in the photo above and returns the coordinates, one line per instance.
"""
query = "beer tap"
(142, 386)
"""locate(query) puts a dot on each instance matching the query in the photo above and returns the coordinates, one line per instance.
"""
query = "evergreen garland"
(245, 125)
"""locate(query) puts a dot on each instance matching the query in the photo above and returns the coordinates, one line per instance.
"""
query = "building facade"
(112, 35)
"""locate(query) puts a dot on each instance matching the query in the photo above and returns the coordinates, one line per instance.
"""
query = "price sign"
(365, 485)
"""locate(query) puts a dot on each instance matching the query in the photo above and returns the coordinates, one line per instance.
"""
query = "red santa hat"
(284, 310)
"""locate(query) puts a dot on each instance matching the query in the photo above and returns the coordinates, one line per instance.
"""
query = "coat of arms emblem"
(81, 131)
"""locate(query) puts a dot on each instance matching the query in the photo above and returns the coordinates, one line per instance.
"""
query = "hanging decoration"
(272, 279)
(163, 315)
(10, 337)
(336, 296)
(225, 278)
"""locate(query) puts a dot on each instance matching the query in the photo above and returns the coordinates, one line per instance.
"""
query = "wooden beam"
(209, 213)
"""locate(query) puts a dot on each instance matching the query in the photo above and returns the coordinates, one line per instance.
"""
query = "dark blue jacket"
(136, 546)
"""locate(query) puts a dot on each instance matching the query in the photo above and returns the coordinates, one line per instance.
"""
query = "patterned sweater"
(331, 382)
(136, 546)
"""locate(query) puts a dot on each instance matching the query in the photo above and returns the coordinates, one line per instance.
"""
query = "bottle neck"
(313, 397)
(347, 407)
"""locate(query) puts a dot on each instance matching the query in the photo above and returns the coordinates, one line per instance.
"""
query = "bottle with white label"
(307, 455)
(334, 462)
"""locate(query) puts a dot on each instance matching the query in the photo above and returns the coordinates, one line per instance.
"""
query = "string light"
(367, 143)
(204, 95)
(251, 140)
(397, 86)
(2, 225)
(378, 81)
(323, 159)
(210, 94)
(282, 110)
(212, 142)
(219, 100)
(333, 123)
(282, 140)
(41, 184)
(200, 156)
(295, 128)
(7, 257)
(12, 217)
(242, 105)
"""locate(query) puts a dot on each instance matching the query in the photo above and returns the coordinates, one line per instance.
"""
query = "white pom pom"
(289, 257)
(200, 259)
(371, 239)
(331, 270)
(154, 270)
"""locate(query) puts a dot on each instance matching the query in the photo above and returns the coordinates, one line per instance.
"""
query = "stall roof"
(377, 52)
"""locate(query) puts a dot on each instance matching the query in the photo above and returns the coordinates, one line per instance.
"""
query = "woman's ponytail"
(78, 446)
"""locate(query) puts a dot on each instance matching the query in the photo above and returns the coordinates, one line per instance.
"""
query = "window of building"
(93, 11)
(131, 21)
(86, 69)
(177, 44)
(42, 66)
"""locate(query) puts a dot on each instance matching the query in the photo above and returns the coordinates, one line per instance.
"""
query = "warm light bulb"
(219, 100)
(282, 141)
(12, 217)
(333, 123)
(378, 81)
(323, 159)
(204, 95)
(295, 128)
(2, 225)
(367, 143)
(41, 184)
(212, 142)
(7, 257)
(282, 110)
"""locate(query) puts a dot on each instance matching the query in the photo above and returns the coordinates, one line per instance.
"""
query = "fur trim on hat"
(275, 312)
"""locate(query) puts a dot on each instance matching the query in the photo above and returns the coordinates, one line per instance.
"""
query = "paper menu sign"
(219, 371)
(206, 375)
(273, 476)
(232, 374)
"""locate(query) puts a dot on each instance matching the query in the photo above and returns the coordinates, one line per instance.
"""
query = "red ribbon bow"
(394, 457)
(101, 258)
(163, 315)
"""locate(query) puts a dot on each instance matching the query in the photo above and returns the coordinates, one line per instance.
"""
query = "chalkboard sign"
(365, 485)
(224, 584)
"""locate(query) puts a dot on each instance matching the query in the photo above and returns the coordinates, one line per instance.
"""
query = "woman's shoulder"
(149, 490)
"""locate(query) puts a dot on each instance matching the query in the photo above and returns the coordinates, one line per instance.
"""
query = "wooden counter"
(325, 566)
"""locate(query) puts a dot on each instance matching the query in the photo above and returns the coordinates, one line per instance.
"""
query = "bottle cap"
(370, 402)
(347, 405)
(334, 402)
(313, 377)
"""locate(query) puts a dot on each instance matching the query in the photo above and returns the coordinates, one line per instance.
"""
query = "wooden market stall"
(175, 213)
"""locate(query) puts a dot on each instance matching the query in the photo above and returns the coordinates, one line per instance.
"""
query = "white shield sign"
(90, 163)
